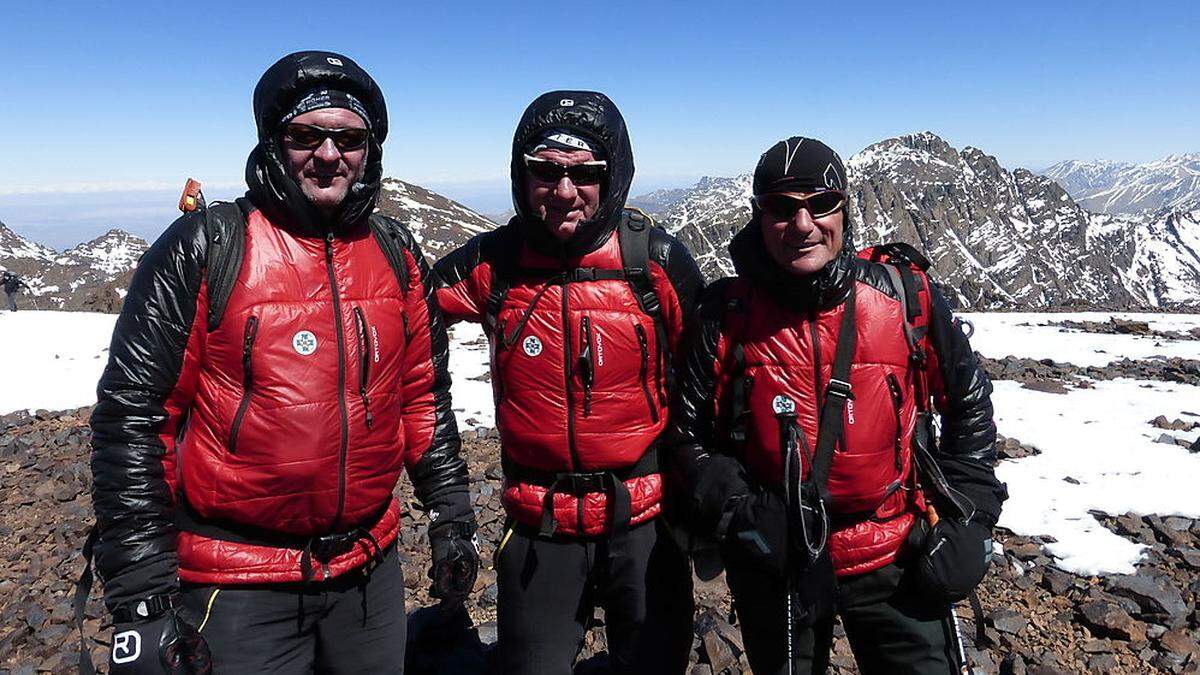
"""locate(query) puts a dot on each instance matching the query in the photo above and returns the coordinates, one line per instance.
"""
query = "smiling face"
(562, 205)
(801, 244)
(326, 173)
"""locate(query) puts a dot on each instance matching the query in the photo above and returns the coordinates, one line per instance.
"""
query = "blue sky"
(124, 98)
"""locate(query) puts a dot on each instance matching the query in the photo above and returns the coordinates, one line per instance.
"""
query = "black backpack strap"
(838, 391)
(633, 236)
(391, 241)
(225, 228)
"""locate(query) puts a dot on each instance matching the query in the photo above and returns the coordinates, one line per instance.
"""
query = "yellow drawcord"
(503, 541)
(208, 609)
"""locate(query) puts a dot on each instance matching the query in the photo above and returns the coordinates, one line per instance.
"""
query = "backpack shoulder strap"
(633, 236)
(501, 249)
(391, 237)
(225, 229)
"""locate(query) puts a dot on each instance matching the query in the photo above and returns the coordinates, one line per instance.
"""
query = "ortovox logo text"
(127, 646)
(334, 62)
(304, 343)
(532, 345)
(567, 102)
(849, 412)
(782, 404)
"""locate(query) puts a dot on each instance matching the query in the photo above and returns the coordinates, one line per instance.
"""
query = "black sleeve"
(701, 477)
(440, 478)
(135, 554)
(677, 261)
(962, 392)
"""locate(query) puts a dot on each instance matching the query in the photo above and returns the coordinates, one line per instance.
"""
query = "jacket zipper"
(247, 381)
(586, 365)
(341, 344)
(816, 342)
(660, 359)
(644, 372)
(897, 399)
(364, 346)
(568, 376)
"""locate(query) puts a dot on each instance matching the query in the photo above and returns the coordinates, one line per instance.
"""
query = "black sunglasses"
(785, 205)
(310, 137)
(586, 173)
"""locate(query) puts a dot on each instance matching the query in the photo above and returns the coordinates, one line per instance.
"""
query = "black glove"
(712, 480)
(455, 562)
(951, 560)
(164, 644)
(758, 531)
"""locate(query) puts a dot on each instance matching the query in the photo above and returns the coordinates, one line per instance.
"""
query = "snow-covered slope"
(997, 238)
(1171, 183)
(439, 224)
(92, 275)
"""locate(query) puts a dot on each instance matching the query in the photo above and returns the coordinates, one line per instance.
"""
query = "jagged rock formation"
(997, 238)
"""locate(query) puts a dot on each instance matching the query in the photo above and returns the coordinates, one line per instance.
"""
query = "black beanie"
(799, 164)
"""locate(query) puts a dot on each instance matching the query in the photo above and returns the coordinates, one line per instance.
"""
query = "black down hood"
(271, 188)
(593, 115)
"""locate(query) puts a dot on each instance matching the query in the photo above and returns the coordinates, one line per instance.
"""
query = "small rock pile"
(1118, 326)
(1052, 376)
(1038, 618)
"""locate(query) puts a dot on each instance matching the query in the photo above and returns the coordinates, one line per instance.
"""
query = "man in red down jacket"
(758, 375)
(580, 370)
(243, 471)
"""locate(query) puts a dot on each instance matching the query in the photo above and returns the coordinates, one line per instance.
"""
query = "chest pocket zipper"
(897, 400)
(587, 367)
(247, 381)
(365, 350)
(645, 370)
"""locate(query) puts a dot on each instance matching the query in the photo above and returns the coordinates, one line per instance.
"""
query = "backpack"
(633, 237)
(225, 229)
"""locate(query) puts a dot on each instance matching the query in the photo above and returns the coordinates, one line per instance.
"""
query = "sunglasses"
(587, 173)
(311, 137)
(785, 205)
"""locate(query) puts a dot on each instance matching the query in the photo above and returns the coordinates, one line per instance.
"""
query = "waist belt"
(580, 483)
(322, 548)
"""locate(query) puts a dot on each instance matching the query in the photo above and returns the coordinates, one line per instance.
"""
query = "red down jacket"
(219, 451)
(787, 351)
(579, 373)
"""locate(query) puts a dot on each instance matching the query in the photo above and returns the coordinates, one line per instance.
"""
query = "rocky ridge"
(997, 238)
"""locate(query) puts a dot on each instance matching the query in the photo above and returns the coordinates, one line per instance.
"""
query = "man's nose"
(803, 220)
(565, 189)
(327, 151)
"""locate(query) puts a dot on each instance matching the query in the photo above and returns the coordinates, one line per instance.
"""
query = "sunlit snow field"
(1100, 437)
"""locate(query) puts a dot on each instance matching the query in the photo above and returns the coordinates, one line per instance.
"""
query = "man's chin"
(325, 198)
(562, 230)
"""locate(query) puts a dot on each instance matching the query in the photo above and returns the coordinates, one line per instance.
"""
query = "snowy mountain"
(439, 224)
(658, 201)
(95, 274)
(997, 238)
(92, 275)
(1115, 187)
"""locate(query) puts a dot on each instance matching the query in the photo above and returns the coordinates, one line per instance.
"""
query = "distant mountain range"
(1117, 187)
(998, 238)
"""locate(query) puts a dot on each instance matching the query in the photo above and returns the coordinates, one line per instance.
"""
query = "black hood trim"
(595, 116)
(271, 189)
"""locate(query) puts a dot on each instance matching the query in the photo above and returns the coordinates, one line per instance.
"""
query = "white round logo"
(782, 404)
(532, 345)
(567, 102)
(333, 62)
(304, 343)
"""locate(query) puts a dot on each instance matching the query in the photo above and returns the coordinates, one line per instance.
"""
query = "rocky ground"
(1037, 618)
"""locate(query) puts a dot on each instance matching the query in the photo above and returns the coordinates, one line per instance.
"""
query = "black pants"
(548, 589)
(890, 630)
(353, 623)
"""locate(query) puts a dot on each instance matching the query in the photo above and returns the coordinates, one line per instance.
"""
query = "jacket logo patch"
(304, 343)
(783, 405)
(532, 346)
(127, 646)
(599, 349)
(849, 412)
(375, 343)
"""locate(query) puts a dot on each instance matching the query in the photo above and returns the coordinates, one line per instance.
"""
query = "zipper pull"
(329, 247)
(367, 407)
